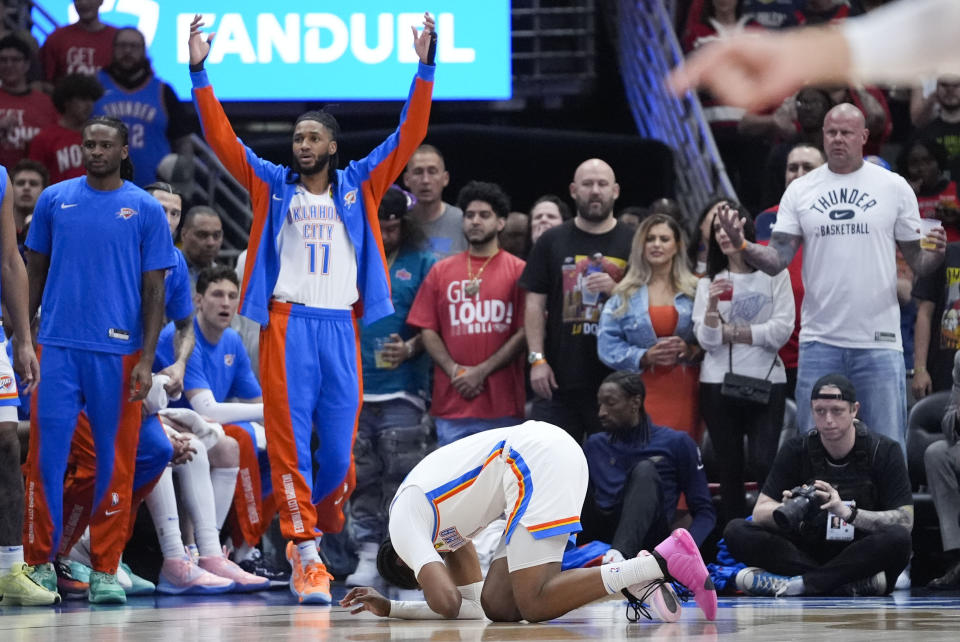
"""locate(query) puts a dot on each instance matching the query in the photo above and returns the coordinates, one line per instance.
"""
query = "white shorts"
(9, 397)
(525, 551)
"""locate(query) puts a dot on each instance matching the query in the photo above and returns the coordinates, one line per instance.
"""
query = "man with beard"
(469, 309)
(315, 265)
(569, 276)
(148, 106)
(101, 246)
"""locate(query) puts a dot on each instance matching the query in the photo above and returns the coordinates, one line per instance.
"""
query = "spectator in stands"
(801, 160)
(938, 118)
(81, 48)
(564, 298)
(8, 17)
(923, 162)
(29, 178)
(548, 211)
(647, 327)
(668, 207)
(201, 238)
(936, 333)
(942, 464)
(157, 121)
(871, 101)
(391, 436)
(638, 470)
(470, 312)
(699, 244)
(426, 176)
(774, 14)
(632, 216)
(816, 12)
(57, 145)
(515, 237)
(854, 328)
(741, 317)
(715, 19)
(858, 476)
(23, 111)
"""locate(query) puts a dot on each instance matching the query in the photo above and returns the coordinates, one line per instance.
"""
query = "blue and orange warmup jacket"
(357, 195)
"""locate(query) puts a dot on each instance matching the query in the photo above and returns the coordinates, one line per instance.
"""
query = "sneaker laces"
(316, 569)
(638, 607)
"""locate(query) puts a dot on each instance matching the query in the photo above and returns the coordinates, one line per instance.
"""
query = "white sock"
(795, 586)
(9, 556)
(244, 552)
(162, 502)
(636, 570)
(317, 541)
(197, 492)
(308, 553)
(224, 482)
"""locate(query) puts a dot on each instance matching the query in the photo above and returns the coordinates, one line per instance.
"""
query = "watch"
(533, 357)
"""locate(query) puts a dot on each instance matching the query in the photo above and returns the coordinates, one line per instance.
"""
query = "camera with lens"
(801, 506)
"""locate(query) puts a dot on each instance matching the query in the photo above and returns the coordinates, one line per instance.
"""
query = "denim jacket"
(623, 340)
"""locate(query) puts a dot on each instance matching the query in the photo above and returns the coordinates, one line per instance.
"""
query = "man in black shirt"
(569, 275)
(859, 477)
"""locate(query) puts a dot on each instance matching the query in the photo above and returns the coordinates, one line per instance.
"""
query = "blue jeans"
(878, 376)
(450, 430)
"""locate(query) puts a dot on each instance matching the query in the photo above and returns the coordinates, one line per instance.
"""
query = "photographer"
(840, 469)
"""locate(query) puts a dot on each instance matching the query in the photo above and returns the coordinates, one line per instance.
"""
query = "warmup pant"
(154, 452)
(310, 373)
(253, 499)
(825, 566)
(70, 380)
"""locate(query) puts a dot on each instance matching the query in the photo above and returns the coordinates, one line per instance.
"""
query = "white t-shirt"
(850, 224)
(763, 302)
(318, 263)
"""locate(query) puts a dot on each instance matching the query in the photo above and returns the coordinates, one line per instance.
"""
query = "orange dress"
(672, 392)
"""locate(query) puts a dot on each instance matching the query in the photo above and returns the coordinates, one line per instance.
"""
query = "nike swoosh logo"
(64, 206)
(277, 198)
(112, 512)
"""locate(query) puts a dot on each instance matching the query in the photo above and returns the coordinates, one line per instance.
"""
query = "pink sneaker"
(659, 594)
(180, 576)
(684, 565)
(242, 581)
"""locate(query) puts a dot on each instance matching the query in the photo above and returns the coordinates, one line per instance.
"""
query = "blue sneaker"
(756, 581)
(137, 584)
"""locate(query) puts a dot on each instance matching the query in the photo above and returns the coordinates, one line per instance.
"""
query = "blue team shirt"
(99, 244)
(677, 460)
(179, 298)
(223, 368)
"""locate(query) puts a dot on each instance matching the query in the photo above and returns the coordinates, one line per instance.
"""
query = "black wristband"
(197, 67)
(432, 51)
(853, 514)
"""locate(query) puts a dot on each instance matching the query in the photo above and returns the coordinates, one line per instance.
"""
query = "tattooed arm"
(868, 520)
(921, 261)
(772, 258)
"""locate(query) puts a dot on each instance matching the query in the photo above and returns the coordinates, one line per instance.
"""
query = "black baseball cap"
(847, 392)
(395, 203)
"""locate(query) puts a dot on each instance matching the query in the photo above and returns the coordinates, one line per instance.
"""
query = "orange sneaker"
(311, 585)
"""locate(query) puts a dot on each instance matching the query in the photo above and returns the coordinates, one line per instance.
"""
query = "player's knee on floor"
(496, 598)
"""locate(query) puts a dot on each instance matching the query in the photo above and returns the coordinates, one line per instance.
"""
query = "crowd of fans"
(504, 315)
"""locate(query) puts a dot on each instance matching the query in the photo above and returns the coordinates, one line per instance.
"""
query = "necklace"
(474, 285)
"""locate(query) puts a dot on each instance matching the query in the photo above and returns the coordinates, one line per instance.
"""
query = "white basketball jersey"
(318, 263)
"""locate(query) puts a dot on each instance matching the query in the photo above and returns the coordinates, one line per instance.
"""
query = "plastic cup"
(727, 294)
(926, 226)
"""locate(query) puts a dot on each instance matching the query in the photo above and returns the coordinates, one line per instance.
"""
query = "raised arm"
(772, 258)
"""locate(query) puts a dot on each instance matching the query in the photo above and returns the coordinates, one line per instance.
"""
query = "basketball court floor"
(916, 615)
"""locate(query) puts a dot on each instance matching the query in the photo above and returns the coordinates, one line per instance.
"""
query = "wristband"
(743, 245)
(919, 369)
(538, 362)
(197, 67)
(853, 514)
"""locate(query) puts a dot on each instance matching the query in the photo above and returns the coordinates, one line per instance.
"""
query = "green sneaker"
(20, 589)
(105, 589)
(138, 585)
(45, 575)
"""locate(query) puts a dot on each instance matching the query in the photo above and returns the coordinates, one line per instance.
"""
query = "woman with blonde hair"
(646, 326)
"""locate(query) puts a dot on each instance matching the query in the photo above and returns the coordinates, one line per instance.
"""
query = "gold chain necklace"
(474, 285)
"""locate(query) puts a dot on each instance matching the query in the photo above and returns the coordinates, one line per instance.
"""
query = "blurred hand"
(543, 381)
(921, 384)
(198, 44)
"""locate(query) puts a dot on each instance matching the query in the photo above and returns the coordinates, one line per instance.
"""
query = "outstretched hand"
(732, 223)
(421, 39)
(366, 599)
(199, 43)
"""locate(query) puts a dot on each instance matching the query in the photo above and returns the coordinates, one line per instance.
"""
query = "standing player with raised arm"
(315, 265)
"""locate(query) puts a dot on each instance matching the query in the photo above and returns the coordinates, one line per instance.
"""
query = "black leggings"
(729, 421)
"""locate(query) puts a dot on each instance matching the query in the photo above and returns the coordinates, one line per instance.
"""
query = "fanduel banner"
(320, 50)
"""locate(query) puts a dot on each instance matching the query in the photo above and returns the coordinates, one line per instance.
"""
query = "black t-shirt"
(557, 264)
(943, 288)
(888, 472)
(948, 135)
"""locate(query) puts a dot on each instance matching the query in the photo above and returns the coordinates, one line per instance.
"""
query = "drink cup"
(727, 294)
(926, 226)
